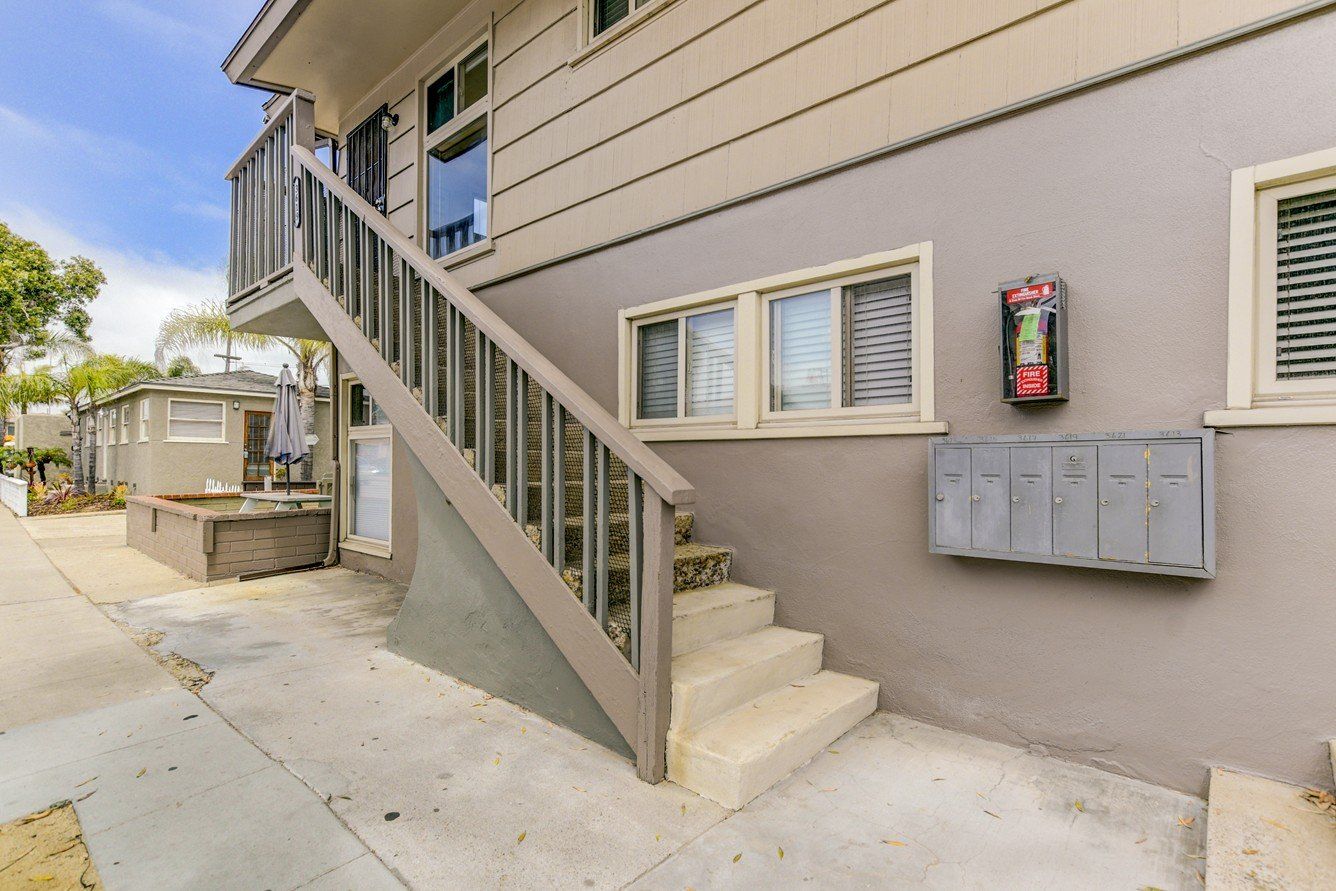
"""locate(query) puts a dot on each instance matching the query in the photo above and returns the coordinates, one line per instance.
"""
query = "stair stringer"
(585, 646)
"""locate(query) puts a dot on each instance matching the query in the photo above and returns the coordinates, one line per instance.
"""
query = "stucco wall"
(162, 467)
(1124, 190)
(43, 432)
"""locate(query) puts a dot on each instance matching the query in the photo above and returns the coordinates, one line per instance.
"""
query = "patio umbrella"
(287, 440)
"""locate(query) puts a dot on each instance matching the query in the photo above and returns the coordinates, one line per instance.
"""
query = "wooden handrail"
(666, 482)
(277, 114)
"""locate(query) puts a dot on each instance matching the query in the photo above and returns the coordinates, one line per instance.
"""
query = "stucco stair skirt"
(1264, 834)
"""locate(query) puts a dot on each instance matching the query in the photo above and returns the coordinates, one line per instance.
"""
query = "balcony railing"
(261, 245)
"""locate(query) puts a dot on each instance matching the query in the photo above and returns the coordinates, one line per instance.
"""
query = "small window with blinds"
(189, 420)
(846, 347)
(604, 14)
(686, 366)
(1306, 287)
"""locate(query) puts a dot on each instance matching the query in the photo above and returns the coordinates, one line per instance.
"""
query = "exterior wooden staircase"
(580, 516)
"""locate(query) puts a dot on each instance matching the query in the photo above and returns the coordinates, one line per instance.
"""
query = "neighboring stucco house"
(42, 431)
(574, 254)
(170, 436)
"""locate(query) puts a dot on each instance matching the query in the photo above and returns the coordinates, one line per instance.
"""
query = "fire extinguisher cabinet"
(1034, 340)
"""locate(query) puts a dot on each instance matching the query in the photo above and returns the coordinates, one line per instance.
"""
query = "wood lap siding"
(712, 99)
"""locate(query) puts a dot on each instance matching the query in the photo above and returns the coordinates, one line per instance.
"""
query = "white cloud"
(140, 291)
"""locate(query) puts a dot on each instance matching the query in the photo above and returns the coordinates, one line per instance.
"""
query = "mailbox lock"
(941, 497)
(1104, 501)
(1058, 500)
(1015, 499)
(1155, 504)
(974, 498)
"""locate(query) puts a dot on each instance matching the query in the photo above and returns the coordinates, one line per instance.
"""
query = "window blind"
(800, 352)
(878, 342)
(710, 358)
(658, 370)
(371, 489)
(608, 13)
(1306, 286)
(195, 420)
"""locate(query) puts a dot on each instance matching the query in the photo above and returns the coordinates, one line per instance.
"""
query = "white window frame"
(752, 418)
(222, 422)
(1254, 395)
(463, 120)
(682, 419)
(640, 12)
(125, 423)
(143, 420)
(347, 436)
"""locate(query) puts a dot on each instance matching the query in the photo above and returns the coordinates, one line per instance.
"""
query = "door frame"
(245, 445)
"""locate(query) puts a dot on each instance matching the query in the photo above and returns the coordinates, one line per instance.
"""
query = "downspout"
(332, 556)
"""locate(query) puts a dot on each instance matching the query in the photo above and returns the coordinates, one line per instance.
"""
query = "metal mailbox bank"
(1141, 501)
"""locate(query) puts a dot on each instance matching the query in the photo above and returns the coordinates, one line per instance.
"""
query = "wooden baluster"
(604, 504)
(558, 487)
(635, 518)
(587, 537)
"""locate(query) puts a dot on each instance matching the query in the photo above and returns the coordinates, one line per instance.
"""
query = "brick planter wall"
(209, 545)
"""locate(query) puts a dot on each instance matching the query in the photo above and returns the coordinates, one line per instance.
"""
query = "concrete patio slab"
(897, 803)
(90, 551)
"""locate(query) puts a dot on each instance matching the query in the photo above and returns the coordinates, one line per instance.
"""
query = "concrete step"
(729, 673)
(694, 566)
(702, 616)
(1264, 834)
(739, 755)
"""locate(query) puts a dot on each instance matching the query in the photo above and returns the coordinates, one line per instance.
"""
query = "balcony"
(259, 269)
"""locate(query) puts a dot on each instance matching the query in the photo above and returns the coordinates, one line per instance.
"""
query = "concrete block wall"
(209, 545)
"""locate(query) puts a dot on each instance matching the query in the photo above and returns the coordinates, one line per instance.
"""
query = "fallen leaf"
(521, 837)
(1141, 841)
(657, 837)
(991, 814)
(477, 704)
(832, 789)
(496, 760)
(142, 771)
(1186, 821)
(86, 795)
(1250, 851)
(578, 789)
(833, 751)
(781, 853)
(523, 730)
(684, 810)
(391, 816)
(1079, 806)
(85, 782)
(892, 843)
(737, 857)
(44, 877)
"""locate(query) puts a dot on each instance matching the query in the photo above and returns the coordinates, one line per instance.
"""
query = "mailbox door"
(951, 505)
(990, 518)
(1075, 502)
(1175, 513)
(1031, 497)
(1122, 502)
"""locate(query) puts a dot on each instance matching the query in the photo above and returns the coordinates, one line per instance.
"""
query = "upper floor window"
(455, 146)
(603, 14)
(1282, 294)
(844, 349)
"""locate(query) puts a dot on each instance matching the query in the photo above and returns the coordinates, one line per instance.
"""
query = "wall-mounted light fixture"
(389, 121)
(236, 405)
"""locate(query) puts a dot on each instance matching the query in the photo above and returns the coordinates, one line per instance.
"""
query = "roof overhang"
(164, 386)
(337, 50)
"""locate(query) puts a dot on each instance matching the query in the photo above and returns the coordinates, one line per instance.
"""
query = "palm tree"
(16, 387)
(182, 366)
(206, 325)
(84, 382)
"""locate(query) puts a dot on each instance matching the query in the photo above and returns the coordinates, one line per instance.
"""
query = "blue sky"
(116, 126)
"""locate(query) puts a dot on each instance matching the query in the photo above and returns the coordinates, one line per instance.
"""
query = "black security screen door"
(366, 150)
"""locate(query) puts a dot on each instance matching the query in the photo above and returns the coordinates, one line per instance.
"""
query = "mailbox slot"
(1143, 502)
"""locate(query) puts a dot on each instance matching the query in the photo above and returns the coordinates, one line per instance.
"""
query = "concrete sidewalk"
(167, 793)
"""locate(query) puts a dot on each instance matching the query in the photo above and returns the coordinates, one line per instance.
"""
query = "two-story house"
(651, 310)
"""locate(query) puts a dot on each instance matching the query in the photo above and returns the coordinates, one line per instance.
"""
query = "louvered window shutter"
(1306, 286)
(608, 13)
(710, 360)
(800, 352)
(658, 370)
(879, 341)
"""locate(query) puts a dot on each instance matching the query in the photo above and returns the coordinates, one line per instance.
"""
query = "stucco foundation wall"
(1124, 190)
(208, 545)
